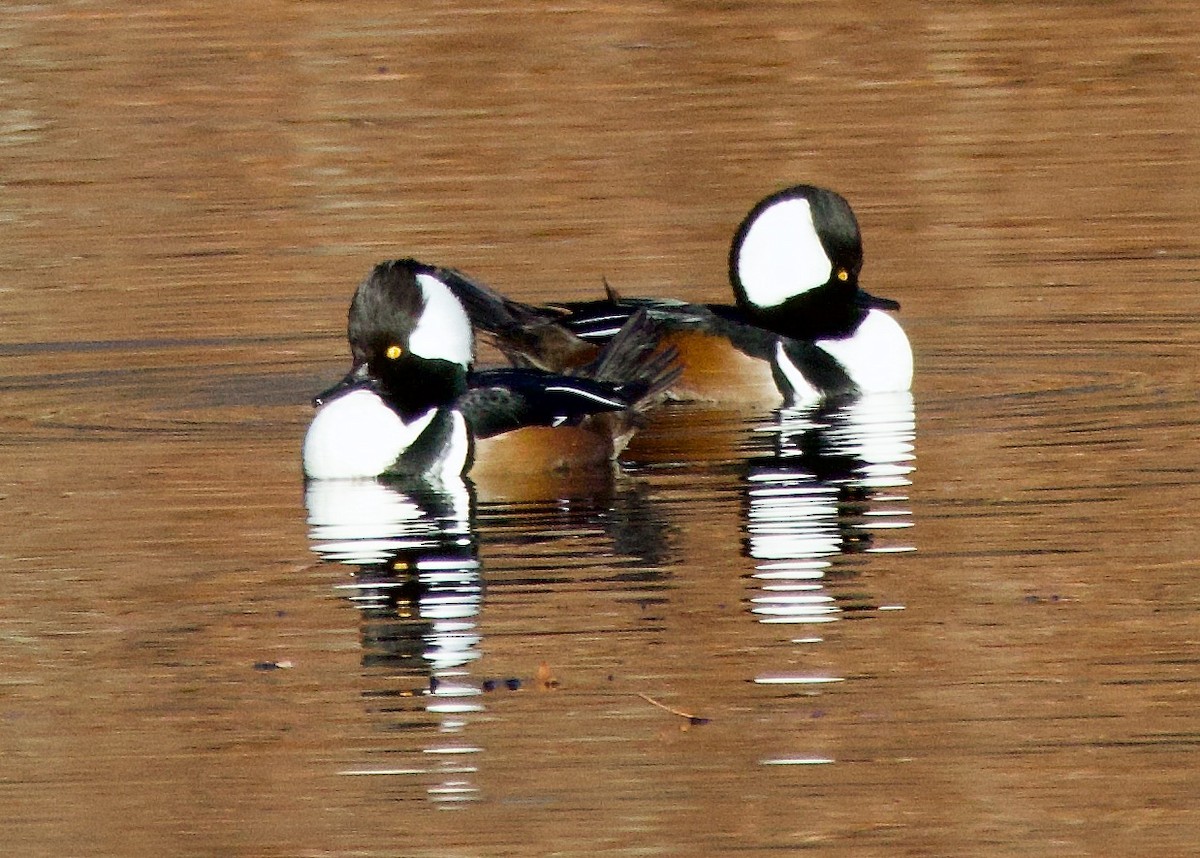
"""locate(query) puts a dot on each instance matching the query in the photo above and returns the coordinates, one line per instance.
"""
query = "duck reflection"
(418, 589)
(834, 480)
(616, 523)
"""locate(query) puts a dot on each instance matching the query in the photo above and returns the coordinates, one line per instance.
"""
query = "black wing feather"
(500, 400)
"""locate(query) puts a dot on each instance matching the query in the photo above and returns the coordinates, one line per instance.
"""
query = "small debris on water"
(545, 678)
(273, 665)
(693, 720)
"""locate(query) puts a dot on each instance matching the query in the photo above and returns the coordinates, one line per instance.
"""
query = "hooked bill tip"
(867, 300)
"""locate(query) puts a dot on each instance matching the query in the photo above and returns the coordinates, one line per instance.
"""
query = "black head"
(409, 336)
(795, 261)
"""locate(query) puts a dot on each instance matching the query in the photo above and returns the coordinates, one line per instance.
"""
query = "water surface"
(963, 623)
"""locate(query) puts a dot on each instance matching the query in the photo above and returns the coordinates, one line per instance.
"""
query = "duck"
(414, 406)
(801, 328)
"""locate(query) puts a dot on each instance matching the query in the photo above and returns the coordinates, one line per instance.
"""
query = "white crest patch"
(877, 357)
(356, 436)
(781, 255)
(444, 330)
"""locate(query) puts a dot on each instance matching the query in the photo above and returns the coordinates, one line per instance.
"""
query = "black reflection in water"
(616, 525)
(419, 590)
(834, 481)
(418, 587)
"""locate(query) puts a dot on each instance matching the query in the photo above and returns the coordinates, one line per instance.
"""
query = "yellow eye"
(394, 352)
(843, 274)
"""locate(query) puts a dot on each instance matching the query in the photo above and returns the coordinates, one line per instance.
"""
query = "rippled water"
(959, 623)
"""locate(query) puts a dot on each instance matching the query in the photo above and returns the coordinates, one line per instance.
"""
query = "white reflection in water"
(417, 585)
(835, 477)
(418, 589)
(365, 522)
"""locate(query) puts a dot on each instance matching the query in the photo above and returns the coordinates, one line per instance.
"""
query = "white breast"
(877, 357)
(357, 436)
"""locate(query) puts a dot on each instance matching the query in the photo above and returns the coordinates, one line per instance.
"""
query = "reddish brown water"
(189, 194)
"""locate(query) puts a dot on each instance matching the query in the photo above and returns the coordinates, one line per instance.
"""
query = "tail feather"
(636, 362)
(613, 295)
(641, 370)
(633, 362)
(528, 336)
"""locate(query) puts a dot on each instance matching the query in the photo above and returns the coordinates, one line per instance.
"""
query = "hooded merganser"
(411, 406)
(802, 327)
